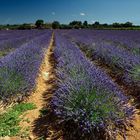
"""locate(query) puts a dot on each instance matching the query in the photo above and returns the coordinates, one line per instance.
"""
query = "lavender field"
(96, 77)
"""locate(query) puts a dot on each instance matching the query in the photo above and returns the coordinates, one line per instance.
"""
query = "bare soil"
(41, 126)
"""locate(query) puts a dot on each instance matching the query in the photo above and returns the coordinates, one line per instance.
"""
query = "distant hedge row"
(40, 24)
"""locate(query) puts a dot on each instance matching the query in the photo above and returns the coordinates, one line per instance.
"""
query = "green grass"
(136, 51)
(135, 73)
(97, 105)
(9, 121)
(5, 52)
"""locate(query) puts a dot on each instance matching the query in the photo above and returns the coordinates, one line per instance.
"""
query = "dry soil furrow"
(41, 126)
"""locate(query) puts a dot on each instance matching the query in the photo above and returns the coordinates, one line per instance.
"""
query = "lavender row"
(19, 69)
(12, 34)
(127, 40)
(115, 57)
(86, 95)
(18, 38)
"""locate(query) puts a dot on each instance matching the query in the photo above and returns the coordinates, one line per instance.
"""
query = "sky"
(64, 11)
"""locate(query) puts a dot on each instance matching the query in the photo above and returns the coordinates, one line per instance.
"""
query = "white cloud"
(53, 13)
(82, 14)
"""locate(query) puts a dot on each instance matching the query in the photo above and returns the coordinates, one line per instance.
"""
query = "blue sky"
(104, 11)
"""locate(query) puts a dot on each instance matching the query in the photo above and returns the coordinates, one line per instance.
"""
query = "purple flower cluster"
(86, 95)
(25, 62)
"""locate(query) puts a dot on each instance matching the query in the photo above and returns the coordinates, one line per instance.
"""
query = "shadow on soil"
(46, 126)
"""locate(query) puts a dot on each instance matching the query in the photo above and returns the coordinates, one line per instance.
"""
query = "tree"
(96, 24)
(121, 25)
(76, 24)
(117, 25)
(55, 25)
(85, 24)
(39, 23)
(128, 24)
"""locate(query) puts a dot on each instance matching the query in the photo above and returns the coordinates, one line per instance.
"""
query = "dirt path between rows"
(132, 133)
(41, 126)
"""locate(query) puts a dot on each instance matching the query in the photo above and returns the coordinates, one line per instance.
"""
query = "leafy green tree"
(39, 23)
(96, 24)
(76, 24)
(85, 24)
(117, 25)
(121, 25)
(55, 25)
(105, 25)
(128, 24)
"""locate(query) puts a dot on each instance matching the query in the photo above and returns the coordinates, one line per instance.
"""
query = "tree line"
(40, 24)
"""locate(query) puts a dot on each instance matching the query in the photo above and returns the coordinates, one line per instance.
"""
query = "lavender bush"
(19, 69)
(86, 95)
